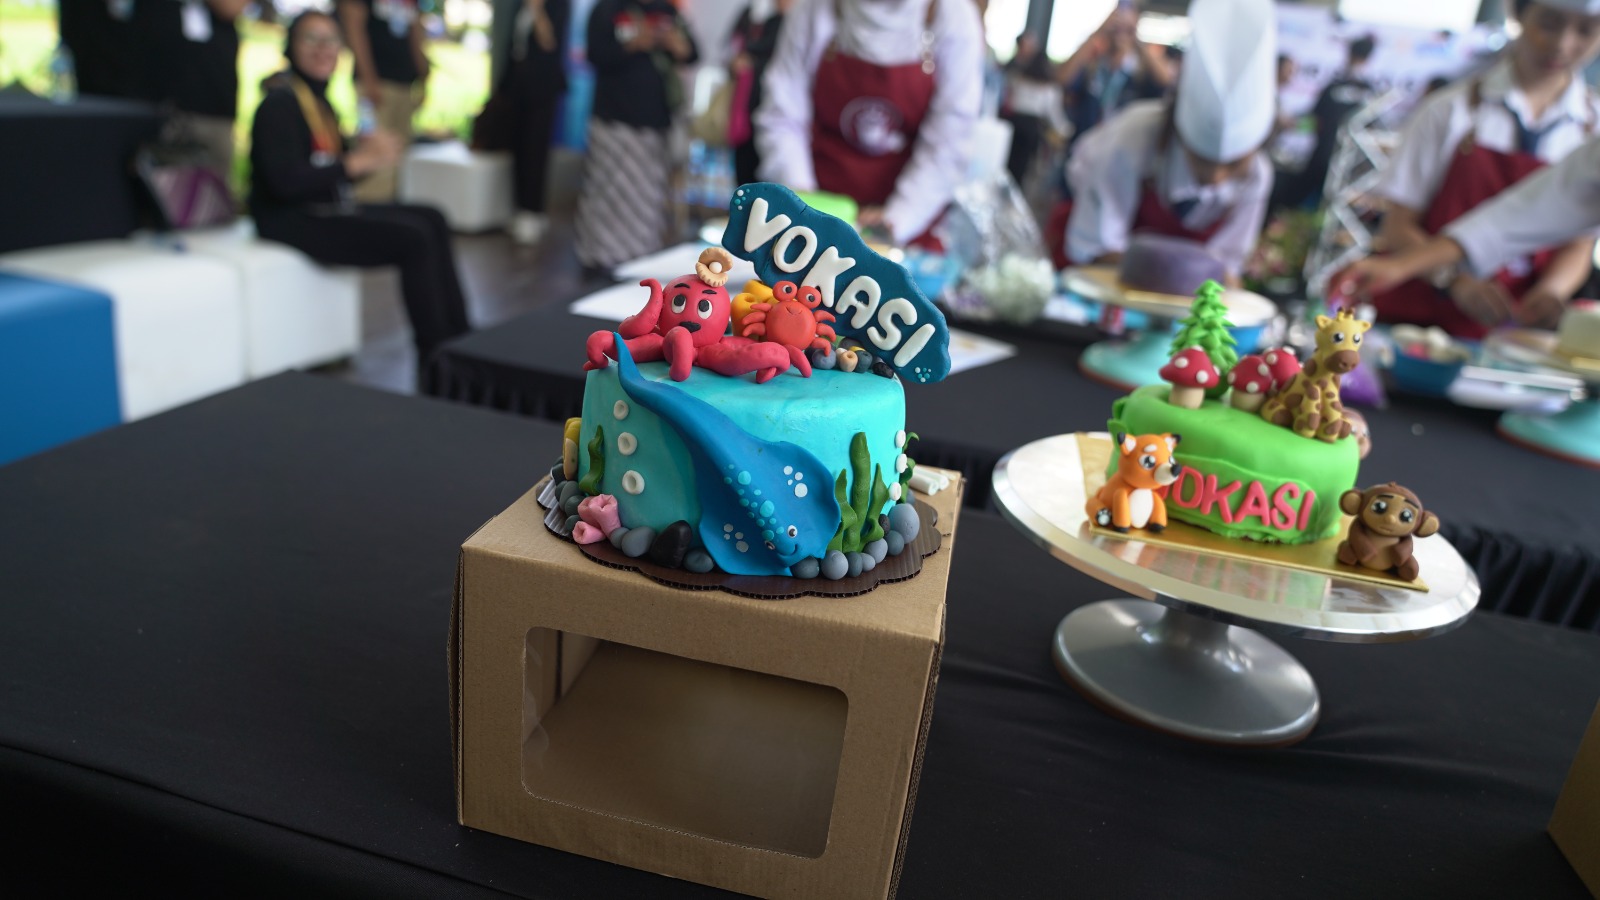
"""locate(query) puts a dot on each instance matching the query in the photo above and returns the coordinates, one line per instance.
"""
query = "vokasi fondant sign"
(874, 299)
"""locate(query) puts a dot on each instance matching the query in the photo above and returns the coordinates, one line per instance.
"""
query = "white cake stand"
(1192, 663)
(1128, 364)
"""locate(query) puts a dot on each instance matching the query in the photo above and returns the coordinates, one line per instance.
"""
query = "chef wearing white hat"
(1473, 140)
(1191, 168)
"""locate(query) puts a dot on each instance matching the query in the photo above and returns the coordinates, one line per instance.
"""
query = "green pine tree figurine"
(1206, 327)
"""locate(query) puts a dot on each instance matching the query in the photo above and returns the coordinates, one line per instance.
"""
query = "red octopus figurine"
(791, 318)
(686, 325)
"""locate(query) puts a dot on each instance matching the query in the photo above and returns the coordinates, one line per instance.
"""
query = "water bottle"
(63, 76)
(366, 117)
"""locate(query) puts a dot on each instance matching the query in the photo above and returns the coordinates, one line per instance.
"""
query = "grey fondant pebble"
(637, 541)
(615, 537)
(903, 518)
(570, 505)
(878, 549)
(568, 489)
(671, 544)
(895, 541)
(854, 561)
(883, 521)
(697, 561)
(822, 358)
(868, 563)
(572, 522)
(864, 361)
(881, 369)
(558, 474)
(806, 568)
(834, 565)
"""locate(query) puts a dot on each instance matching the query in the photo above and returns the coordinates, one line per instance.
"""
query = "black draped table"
(66, 175)
(1526, 523)
(224, 671)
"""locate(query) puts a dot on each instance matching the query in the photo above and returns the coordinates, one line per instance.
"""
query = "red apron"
(1476, 175)
(864, 123)
(1152, 216)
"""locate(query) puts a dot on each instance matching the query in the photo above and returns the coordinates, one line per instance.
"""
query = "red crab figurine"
(791, 318)
(686, 325)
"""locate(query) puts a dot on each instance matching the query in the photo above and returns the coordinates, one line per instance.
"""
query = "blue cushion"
(58, 364)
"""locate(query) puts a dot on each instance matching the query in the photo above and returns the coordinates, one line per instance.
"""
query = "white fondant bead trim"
(900, 463)
(900, 438)
(620, 410)
(633, 482)
(627, 443)
(894, 492)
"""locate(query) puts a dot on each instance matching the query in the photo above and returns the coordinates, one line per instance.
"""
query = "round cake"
(1168, 265)
(1579, 332)
(1241, 476)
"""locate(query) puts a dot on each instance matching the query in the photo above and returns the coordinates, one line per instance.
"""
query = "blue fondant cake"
(649, 468)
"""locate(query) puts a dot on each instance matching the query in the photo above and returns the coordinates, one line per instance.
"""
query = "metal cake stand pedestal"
(1572, 434)
(1132, 363)
(1190, 657)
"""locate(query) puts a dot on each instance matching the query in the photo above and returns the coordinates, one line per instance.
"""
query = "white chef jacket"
(1547, 209)
(1437, 127)
(939, 161)
(1107, 172)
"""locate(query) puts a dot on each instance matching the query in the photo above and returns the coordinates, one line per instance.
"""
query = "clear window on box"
(706, 749)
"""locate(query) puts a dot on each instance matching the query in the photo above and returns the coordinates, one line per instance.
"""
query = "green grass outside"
(456, 91)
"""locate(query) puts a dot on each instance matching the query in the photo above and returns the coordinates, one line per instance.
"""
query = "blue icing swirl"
(803, 526)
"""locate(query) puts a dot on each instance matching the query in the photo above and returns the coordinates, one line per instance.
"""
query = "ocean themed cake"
(760, 433)
(1260, 446)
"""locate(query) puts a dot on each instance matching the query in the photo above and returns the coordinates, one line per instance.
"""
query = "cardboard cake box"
(1575, 825)
(770, 747)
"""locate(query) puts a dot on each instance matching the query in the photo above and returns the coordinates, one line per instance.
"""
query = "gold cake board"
(1319, 556)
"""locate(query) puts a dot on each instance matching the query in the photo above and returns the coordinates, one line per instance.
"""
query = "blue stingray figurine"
(743, 480)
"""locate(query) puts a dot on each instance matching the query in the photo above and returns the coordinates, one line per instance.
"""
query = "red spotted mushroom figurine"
(1191, 374)
(1283, 365)
(1251, 381)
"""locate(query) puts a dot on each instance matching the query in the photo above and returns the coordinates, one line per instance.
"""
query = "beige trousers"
(396, 107)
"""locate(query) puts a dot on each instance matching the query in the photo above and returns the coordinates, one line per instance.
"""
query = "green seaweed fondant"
(590, 483)
(860, 500)
(911, 466)
(1230, 445)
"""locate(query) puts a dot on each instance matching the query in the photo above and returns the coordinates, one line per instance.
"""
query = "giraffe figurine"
(1309, 403)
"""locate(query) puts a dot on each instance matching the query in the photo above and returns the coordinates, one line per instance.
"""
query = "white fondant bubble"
(900, 463)
(627, 443)
(900, 438)
(633, 482)
(800, 490)
(620, 411)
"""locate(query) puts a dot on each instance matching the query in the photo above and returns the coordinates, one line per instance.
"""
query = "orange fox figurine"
(1136, 496)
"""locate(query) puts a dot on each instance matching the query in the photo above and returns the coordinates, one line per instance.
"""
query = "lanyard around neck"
(324, 133)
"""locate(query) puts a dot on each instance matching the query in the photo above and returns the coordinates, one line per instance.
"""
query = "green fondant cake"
(1241, 476)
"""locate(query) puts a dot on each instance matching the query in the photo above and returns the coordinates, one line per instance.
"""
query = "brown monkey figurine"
(1388, 516)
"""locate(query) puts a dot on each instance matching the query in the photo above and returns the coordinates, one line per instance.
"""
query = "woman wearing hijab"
(875, 100)
(300, 187)
(635, 47)
(1473, 140)
(1192, 168)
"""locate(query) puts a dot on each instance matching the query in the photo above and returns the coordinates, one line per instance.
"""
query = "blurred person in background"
(301, 174)
(537, 80)
(1032, 105)
(875, 100)
(1192, 167)
(1469, 142)
(187, 62)
(635, 47)
(1339, 100)
(754, 39)
(1112, 69)
(390, 72)
(100, 36)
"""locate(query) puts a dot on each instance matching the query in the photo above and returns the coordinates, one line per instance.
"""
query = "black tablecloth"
(65, 176)
(223, 670)
(1525, 522)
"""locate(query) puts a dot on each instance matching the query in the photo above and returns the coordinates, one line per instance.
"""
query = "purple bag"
(187, 196)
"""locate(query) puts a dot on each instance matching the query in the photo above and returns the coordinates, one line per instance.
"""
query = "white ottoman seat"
(472, 189)
(179, 318)
(298, 314)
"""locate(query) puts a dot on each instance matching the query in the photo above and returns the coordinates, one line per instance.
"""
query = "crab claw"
(799, 361)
